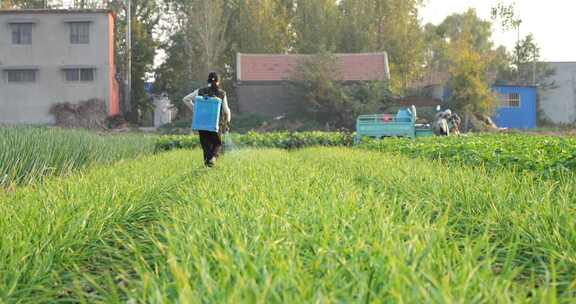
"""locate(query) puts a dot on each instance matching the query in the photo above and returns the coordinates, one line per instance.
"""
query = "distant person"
(455, 123)
(212, 141)
(440, 126)
(446, 123)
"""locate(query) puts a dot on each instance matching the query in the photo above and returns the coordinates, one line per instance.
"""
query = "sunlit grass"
(53, 234)
(28, 154)
(317, 225)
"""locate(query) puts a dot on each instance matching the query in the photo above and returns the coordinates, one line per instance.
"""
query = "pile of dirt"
(88, 114)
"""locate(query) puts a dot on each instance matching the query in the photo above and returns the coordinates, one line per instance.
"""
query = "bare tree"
(205, 24)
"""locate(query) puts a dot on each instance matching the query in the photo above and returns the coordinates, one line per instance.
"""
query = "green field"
(322, 225)
(30, 154)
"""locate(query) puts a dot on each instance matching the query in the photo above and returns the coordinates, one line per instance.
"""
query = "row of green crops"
(27, 154)
(55, 234)
(322, 225)
(280, 140)
(544, 155)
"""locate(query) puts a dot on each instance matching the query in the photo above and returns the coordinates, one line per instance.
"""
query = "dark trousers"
(211, 143)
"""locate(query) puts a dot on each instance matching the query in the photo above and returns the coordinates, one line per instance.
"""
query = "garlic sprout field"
(29, 154)
(312, 225)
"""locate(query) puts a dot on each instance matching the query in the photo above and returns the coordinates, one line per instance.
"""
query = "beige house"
(52, 56)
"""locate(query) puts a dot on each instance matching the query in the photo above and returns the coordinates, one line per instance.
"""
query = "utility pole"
(128, 97)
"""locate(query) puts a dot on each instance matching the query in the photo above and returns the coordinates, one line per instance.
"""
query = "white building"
(559, 104)
(53, 56)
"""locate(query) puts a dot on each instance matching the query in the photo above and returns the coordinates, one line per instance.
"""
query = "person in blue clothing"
(212, 141)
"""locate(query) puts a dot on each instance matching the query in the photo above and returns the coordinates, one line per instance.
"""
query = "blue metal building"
(516, 106)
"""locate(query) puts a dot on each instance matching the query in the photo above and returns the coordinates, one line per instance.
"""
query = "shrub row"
(282, 140)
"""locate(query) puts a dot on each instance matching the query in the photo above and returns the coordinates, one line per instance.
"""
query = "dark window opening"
(79, 32)
(22, 33)
(79, 74)
(21, 75)
(509, 100)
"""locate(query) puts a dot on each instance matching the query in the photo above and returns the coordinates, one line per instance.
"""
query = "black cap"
(213, 77)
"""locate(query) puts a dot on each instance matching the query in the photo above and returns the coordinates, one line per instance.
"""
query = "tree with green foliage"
(173, 75)
(385, 25)
(316, 26)
(327, 99)
(200, 41)
(316, 83)
(530, 68)
(468, 26)
(261, 26)
(402, 38)
(358, 26)
(205, 27)
(145, 19)
(370, 97)
(471, 91)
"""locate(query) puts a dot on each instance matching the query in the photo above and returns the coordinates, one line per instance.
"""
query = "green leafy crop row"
(281, 140)
(545, 155)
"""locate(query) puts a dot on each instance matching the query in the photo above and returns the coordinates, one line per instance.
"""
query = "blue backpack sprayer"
(207, 111)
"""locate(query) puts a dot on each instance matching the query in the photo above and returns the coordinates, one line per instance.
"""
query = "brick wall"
(266, 99)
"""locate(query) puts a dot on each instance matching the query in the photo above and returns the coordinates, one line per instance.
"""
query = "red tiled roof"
(354, 67)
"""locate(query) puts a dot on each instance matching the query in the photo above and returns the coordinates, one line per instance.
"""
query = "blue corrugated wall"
(523, 117)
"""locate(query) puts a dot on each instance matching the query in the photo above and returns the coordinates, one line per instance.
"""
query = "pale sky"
(552, 22)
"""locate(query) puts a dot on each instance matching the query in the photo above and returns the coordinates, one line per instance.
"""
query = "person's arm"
(189, 99)
(226, 109)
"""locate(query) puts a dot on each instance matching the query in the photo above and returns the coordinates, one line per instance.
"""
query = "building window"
(21, 75)
(509, 100)
(79, 74)
(21, 33)
(79, 32)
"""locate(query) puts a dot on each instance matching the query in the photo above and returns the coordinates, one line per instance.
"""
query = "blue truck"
(401, 124)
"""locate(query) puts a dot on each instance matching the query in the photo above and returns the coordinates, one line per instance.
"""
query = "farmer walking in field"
(212, 141)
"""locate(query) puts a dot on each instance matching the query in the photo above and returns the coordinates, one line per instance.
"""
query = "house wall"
(50, 52)
(559, 104)
(523, 117)
(269, 99)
